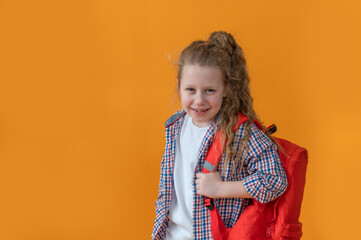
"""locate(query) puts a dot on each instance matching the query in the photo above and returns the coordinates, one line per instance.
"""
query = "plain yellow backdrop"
(85, 88)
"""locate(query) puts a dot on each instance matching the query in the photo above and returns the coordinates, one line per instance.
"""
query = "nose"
(199, 99)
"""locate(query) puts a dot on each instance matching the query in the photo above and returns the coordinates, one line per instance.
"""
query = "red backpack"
(277, 219)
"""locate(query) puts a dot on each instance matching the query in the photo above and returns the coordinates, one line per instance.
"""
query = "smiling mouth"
(199, 110)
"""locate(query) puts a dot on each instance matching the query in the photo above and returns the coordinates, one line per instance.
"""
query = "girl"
(213, 85)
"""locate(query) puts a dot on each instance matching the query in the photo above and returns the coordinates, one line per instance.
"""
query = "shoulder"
(258, 140)
(176, 116)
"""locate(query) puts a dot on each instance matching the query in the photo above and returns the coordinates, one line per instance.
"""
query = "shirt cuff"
(253, 185)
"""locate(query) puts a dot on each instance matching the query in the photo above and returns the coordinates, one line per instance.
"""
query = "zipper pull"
(268, 232)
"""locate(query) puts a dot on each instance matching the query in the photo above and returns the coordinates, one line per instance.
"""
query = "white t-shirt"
(186, 158)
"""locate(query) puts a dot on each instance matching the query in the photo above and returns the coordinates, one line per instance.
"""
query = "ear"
(225, 90)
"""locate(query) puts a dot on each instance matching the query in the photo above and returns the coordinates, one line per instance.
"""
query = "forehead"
(205, 75)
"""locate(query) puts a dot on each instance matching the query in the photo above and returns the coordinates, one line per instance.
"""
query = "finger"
(199, 192)
(199, 175)
(217, 173)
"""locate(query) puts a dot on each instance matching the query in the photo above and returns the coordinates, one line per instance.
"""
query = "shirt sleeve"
(267, 179)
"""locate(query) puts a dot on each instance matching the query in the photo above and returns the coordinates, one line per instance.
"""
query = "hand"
(209, 184)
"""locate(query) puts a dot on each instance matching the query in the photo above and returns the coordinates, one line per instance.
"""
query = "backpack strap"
(215, 152)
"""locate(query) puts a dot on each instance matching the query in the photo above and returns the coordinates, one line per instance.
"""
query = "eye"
(190, 89)
(210, 90)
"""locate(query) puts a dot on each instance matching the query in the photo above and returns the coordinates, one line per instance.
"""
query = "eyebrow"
(206, 87)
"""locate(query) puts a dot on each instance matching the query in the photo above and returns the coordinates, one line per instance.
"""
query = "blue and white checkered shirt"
(262, 174)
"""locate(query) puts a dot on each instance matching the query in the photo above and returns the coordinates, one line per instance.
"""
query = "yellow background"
(85, 88)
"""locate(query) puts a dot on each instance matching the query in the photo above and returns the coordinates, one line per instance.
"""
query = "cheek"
(217, 101)
(185, 100)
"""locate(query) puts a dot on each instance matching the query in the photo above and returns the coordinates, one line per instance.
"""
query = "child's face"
(202, 91)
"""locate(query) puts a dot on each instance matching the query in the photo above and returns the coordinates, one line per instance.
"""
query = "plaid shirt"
(262, 174)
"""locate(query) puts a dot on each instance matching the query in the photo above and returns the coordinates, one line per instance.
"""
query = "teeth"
(199, 110)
